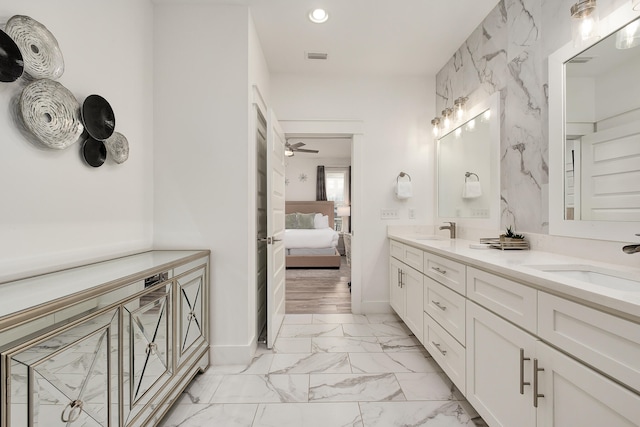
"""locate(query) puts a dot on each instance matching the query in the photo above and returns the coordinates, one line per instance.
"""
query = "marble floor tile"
(201, 389)
(308, 415)
(393, 344)
(292, 345)
(262, 389)
(414, 361)
(346, 345)
(310, 331)
(328, 363)
(340, 318)
(298, 319)
(376, 330)
(354, 388)
(430, 414)
(228, 415)
(383, 318)
(428, 386)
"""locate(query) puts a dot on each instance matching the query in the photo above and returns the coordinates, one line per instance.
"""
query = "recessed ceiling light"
(318, 16)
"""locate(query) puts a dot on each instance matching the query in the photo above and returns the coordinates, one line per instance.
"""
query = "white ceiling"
(364, 37)
(327, 147)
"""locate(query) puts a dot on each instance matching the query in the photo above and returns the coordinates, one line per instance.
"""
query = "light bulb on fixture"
(318, 16)
(459, 107)
(446, 115)
(436, 126)
(584, 22)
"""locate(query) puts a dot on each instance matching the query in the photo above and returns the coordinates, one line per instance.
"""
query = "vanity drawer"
(448, 352)
(511, 300)
(449, 273)
(607, 342)
(396, 249)
(446, 307)
(407, 254)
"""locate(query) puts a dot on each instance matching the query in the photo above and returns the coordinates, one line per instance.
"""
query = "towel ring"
(468, 174)
(402, 175)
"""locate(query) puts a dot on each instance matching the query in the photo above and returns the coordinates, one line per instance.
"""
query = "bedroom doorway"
(318, 286)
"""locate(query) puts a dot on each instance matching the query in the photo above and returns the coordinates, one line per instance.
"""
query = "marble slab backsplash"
(507, 53)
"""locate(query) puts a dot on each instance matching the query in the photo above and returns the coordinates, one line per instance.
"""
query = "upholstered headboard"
(325, 208)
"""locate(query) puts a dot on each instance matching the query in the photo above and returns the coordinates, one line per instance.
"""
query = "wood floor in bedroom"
(318, 290)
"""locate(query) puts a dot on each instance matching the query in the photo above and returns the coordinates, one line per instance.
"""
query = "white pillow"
(321, 221)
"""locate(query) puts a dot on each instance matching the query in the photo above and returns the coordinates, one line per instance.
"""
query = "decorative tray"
(505, 243)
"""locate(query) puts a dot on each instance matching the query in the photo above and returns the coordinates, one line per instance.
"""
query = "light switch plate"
(389, 213)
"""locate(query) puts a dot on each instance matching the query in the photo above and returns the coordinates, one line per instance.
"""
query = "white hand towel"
(471, 190)
(404, 190)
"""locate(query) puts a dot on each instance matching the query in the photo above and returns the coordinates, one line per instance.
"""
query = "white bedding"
(310, 238)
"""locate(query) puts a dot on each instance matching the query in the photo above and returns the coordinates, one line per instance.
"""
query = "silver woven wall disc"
(51, 113)
(40, 51)
(118, 147)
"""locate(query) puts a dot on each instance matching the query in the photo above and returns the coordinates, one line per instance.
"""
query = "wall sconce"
(446, 118)
(584, 22)
(436, 126)
(458, 105)
(629, 36)
(635, 4)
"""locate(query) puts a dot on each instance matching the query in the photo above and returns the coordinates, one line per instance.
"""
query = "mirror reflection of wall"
(602, 130)
(467, 149)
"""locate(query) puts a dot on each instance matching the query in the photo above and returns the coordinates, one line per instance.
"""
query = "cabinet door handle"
(440, 306)
(74, 410)
(439, 270)
(536, 395)
(522, 382)
(443, 352)
(402, 274)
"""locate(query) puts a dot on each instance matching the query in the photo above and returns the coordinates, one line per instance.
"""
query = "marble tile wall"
(508, 53)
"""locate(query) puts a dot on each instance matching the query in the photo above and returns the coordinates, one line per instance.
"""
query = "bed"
(311, 248)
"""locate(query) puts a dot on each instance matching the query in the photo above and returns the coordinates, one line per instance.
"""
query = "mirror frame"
(492, 223)
(558, 225)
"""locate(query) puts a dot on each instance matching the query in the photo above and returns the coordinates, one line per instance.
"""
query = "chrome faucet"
(451, 227)
(631, 249)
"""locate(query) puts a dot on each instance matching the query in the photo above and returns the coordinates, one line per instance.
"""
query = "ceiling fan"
(289, 149)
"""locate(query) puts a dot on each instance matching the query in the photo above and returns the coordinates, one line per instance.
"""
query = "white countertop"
(515, 264)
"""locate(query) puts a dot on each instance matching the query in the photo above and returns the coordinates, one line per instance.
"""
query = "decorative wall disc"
(51, 113)
(40, 51)
(94, 152)
(118, 147)
(98, 117)
(11, 63)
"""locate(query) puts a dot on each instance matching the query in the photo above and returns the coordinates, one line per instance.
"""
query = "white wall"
(55, 210)
(299, 189)
(396, 114)
(205, 152)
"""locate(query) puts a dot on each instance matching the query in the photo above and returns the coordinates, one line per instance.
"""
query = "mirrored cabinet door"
(70, 378)
(191, 319)
(147, 358)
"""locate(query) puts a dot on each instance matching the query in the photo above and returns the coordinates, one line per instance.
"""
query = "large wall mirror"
(468, 168)
(594, 148)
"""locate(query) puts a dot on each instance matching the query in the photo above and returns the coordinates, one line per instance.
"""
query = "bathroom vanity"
(530, 338)
(107, 344)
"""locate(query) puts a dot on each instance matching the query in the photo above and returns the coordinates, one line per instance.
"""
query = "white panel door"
(275, 229)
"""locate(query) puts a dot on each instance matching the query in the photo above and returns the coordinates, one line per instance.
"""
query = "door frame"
(354, 130)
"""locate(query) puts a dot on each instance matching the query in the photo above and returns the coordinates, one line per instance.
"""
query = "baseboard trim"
(233, 354)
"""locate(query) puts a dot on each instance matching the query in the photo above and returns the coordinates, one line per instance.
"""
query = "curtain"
(321, 186)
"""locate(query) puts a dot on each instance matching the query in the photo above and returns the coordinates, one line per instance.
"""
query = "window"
(337, 182)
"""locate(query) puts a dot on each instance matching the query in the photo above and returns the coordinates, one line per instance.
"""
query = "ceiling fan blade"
(304, 150)
(297, 145)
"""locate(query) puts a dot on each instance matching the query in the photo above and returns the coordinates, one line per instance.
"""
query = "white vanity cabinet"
(102, 344)
(406, 293)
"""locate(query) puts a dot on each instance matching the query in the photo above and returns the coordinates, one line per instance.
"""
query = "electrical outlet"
(412, 213)
(389, 213)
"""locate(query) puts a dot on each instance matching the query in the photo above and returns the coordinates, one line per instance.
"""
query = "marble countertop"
(518, 265)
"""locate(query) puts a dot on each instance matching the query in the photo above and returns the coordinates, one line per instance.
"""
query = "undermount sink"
(598, 276)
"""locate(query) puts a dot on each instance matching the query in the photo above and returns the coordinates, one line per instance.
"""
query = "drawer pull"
(151, 348)
(443, 352)
(72, 411)
(536, 395)
(439, 270)
(522, 382)
(440, 306)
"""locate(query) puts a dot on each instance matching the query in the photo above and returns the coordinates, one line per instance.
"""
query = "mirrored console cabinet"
(107, 344)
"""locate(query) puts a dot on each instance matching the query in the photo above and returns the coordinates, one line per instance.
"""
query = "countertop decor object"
(98, 117)
(40, 50)
(51, 113)
(11, 62)
(118, 147)
(94, 152)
